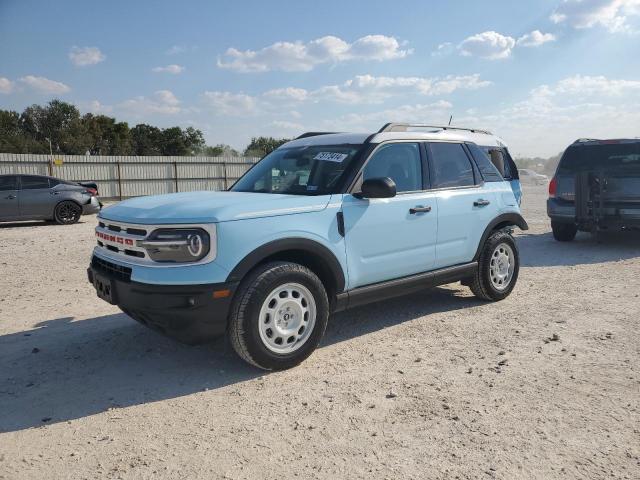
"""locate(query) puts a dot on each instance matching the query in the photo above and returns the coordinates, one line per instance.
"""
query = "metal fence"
(121, 177)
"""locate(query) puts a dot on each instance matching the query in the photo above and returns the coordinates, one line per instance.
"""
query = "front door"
(9, 198)
(389, 238)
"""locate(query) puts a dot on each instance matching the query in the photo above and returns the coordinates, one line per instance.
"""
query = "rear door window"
(33, 182)
(8, 183)
(451, 167)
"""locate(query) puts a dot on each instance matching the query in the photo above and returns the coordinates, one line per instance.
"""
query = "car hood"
(210, 207)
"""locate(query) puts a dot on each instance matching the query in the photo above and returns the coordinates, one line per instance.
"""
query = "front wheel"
(498, 268)
(67, 212)
(279, 315)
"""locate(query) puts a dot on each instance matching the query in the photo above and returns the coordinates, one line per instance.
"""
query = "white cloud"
(176, 49)
(611, 14)
(173, 69)
(96, 107)
(535, 39)
(443, 49)
(162, 102)
(83, 56)
(587, 86)
(227, 103)
(552, 116)
(490, 45)
(289, 94)
(44, 85)
(371, 89)
(436, 112)
(6, 85)
(286, 126)
(299, 56)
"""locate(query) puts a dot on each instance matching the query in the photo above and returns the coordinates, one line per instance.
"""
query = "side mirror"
(382, 187)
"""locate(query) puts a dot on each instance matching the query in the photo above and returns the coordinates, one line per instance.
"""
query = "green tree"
(261, 146)
(13, 138)
(106, 136)
(146, 140)
(59, 123)
(220, 150)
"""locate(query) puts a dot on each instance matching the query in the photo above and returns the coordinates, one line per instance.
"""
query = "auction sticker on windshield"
(331, 157)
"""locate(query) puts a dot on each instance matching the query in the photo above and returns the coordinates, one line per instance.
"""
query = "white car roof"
(479, 138)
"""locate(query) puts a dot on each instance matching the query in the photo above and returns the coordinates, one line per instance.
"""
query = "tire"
(498, 268)
(564, 232)
(67, 213)
(261, 316)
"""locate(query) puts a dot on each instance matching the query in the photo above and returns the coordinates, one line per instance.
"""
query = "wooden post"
(119, 180)
(175, 174)
(224, 167)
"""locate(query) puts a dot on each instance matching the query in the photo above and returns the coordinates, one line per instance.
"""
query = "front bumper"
(188, 313)
(94, 206)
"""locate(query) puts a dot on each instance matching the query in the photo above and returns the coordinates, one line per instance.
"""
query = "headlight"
(177, 245)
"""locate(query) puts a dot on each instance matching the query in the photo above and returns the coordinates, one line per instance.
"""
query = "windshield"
(308, 170)
(603, 156)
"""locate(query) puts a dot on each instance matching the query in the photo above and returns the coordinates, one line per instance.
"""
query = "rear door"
(36, 197)
(9, 198)
(465, 208)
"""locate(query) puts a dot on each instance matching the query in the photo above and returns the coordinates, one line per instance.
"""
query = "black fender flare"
(501, 221)
(330, 262)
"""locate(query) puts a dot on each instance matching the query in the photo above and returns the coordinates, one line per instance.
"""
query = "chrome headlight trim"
(130, 242)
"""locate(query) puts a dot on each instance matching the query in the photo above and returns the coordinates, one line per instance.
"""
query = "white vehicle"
(529, 176)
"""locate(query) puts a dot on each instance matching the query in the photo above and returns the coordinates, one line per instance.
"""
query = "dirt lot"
(545, 384)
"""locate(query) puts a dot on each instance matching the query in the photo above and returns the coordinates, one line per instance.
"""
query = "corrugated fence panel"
(128, 176)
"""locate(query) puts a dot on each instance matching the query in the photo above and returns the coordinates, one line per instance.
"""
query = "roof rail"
(402, 127)
(313, 134)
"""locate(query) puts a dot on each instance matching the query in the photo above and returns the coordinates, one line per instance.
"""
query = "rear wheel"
(279, 315)
(498, 268)
(564, 232)
(67, 212)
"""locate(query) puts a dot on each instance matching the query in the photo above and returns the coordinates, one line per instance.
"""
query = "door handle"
(481, 203)
(10, 197)
(419, 209)
(54, 193)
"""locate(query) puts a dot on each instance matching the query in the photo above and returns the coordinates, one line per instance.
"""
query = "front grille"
(118, 271)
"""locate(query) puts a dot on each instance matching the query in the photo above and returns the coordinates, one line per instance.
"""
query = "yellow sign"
(57, 162)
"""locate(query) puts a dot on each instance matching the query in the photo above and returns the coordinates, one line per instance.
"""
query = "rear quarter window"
(487, 169)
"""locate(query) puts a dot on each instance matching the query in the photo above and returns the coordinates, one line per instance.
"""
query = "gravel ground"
(545, 384)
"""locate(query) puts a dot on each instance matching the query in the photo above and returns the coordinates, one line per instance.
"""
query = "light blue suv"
(324, 223)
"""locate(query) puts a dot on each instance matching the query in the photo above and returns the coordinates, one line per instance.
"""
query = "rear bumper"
(613, 218)
(93, 207)
(187, 313)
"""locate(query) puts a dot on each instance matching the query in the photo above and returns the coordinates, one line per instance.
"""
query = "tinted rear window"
(34, 183)
(8, 183)
(598, 157)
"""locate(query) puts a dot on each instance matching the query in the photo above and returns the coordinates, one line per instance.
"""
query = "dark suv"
(596, 187)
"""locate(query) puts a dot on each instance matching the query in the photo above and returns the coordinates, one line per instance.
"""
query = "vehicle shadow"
(64, 369)
(34, 223)
(541, 250)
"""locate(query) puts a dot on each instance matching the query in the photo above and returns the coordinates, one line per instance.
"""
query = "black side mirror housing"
(382, 187)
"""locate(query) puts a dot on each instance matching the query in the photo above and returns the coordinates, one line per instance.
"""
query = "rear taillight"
(92, 191)
(553, 187)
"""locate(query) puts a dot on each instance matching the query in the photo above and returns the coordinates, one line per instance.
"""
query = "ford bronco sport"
(324, 223)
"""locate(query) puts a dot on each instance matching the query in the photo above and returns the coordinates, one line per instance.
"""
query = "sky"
(539, 74)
